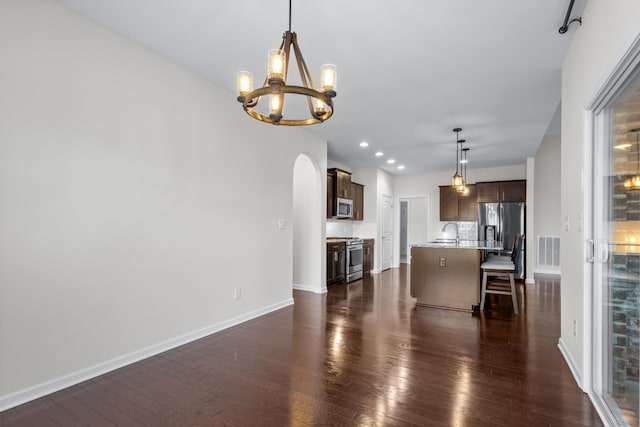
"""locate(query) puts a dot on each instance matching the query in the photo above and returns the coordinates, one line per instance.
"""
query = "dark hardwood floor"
(362, 354)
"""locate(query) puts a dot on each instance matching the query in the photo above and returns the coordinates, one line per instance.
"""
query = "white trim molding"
(573, 367)
(306, 288)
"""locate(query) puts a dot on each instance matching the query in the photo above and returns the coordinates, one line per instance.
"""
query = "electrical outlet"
(575, 328)
(237, 293)
(443, 262)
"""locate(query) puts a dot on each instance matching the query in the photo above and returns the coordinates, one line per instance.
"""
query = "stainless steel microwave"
(344, 208)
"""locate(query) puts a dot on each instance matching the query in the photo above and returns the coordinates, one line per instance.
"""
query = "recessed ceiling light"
(391, 161)
(400, 167)
(464, 161)
(379, 153)
(364, 144)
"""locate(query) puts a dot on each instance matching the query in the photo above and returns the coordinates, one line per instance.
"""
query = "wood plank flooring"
(360, 355)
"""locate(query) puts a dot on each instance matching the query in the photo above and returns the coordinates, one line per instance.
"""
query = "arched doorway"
(308, 226)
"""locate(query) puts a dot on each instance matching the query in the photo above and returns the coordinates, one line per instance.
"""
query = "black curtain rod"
(566, 24)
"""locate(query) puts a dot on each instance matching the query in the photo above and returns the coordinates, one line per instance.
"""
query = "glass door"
(615, 253)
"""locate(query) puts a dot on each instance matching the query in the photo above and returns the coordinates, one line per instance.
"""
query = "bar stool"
(497, 270)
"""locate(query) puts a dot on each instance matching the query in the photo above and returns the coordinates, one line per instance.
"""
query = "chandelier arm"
(287, 39)
(303, 70)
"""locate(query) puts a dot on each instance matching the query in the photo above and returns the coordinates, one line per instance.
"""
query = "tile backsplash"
(341, 228)
(466, 230)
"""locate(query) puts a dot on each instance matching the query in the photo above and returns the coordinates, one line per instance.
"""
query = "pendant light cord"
(289, 15)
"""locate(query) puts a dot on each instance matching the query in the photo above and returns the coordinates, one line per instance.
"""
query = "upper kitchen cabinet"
(340, 186)
(467, 206)
(331, 199)
(342, 183)
(456, 207)
(357, 191)
(502, 191)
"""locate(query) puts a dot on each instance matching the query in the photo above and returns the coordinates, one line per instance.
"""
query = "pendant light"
(465, 190)
(457, 180)
(319, 100)
(633, 183)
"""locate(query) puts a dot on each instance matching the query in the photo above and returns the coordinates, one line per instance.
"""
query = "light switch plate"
(443, 262)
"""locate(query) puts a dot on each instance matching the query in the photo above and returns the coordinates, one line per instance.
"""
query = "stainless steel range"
(354, 259)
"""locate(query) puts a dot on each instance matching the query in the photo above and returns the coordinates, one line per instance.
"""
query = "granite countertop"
(463, 244)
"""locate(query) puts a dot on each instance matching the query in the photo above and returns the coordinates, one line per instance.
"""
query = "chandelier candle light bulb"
(245, 83)
(276, 66)
(328, 77)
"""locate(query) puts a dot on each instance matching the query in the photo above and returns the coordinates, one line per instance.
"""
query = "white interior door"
(387, 232)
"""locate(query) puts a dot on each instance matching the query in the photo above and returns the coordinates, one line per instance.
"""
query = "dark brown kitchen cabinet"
(339, 185)
(456, 207)
(357, 191)
(336, 259)
(467, 205)
(331, 200)
(502, 191)
(367, 255)
(342, 183)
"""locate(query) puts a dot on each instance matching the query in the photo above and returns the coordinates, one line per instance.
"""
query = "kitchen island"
(446, 274)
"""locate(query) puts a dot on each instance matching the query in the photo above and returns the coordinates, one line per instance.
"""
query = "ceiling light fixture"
(400, 167)
(319, 101)
(633, 183)
(379, 154)
(457, 180)
(391, 161)
(364, 144)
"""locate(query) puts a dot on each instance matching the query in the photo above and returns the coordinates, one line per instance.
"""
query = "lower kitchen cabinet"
(336, 259)
(367, 255)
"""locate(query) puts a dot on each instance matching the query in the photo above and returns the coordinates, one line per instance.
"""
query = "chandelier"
(633, 183)
(458, 181)
(318, 99)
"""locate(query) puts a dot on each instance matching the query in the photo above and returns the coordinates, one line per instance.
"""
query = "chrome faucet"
(457, 233)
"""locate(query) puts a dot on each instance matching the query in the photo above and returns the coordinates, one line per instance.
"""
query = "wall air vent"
(549, 251)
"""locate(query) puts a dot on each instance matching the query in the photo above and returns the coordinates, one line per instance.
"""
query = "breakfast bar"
(446, 274)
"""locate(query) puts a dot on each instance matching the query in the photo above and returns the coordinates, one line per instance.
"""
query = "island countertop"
(462, 244)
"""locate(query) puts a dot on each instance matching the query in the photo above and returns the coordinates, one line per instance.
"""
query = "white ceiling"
(409, 71)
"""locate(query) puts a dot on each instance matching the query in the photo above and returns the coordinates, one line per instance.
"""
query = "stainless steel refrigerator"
(504, 221)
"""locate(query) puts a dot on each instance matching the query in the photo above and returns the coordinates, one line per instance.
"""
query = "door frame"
(408, 199)
(594, 137)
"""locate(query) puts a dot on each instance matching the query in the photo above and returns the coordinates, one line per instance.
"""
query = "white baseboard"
(310, 288)
(31, 393)
(573, 367)
(529, 281)
(541, 270)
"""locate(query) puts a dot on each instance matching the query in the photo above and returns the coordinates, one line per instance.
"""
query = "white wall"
(134, 198)
(608, 29)
(428, 185)
(309, 209)
(546, 216)
(417, 221)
